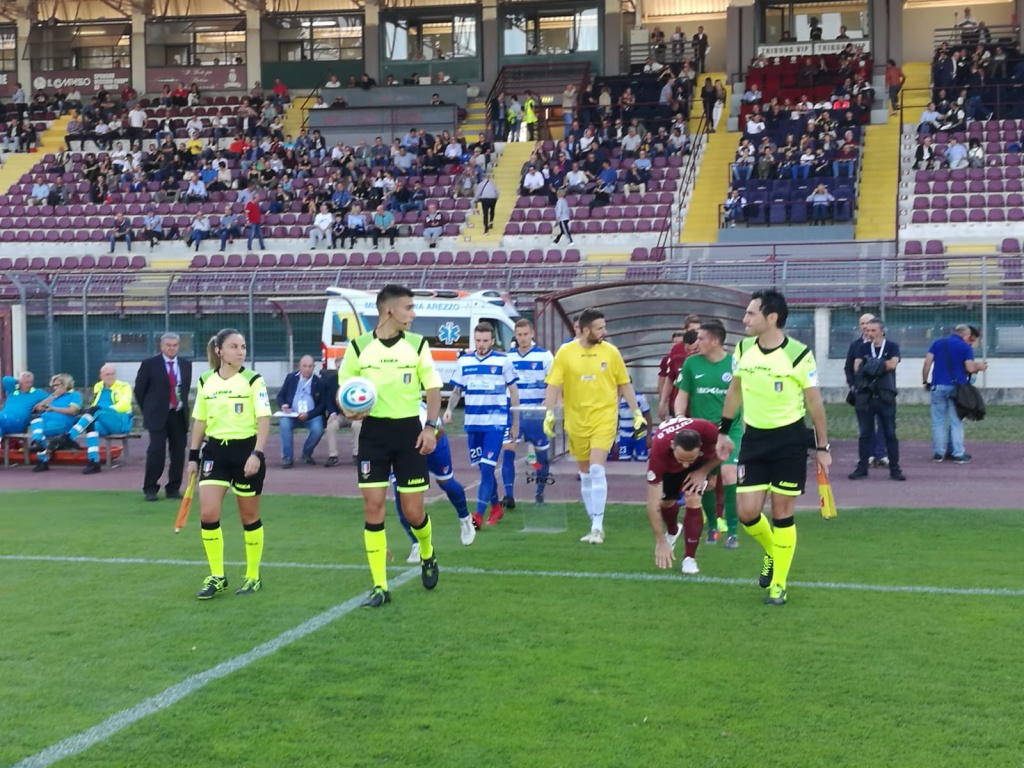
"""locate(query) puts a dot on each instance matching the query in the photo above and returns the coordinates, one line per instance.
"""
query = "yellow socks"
(213, 543)
(253, 549)
(785, 546)
(761, 531)
(422, 535)
(377, 553)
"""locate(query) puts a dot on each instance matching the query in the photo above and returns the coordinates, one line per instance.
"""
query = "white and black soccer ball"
(357, 396)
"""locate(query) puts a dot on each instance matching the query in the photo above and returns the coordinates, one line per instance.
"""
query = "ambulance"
(445, 318)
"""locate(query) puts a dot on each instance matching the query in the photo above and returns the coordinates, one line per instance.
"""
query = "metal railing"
(958, 36)
(75, 321)
(687, 179)
(666, 53)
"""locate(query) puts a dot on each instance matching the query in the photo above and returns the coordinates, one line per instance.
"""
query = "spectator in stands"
(531, 106)
(40, 191)
(20, 102)
(755, 124)
(433, 224)
(734, 205)
(26, 136)
(338, 230)
(59, 193)
(485, 198)
(153, 227)
(120, 231)
(701, 46)
(279, 93)
(383, 224)
(894, 80)
(332, 82)
(355, 225)
(569, 96)
(321, 229)
(606, 181)
(743, 165)
(975, 154)
(842, 34)
(199, 230)
(820, 201)
(924, 157)
(563, 216)
(533, 182)
(403, 162)
(652, 67)
(638, 175)
(802, 170)
(846, 156)
(752, 95)
(254, 218)
(196, 192)
(658, 43)
(955, 154)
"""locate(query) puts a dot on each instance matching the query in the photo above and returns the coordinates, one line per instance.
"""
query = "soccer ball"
(357, 396)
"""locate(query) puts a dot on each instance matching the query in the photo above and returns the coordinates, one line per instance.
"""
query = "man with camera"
(874, 382)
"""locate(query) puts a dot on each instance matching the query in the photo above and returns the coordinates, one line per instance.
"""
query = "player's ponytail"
(214, 346)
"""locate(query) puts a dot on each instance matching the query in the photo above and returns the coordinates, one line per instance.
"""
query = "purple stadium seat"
(912, 248)
(536, 256)
(463, 259)
(304, 260)
(374, 259)
(955, 217)
(286, 260)
(445, 259)
(1015, 214)
(392, 259)
(410, 259)
(934, 247)
(639, 254)
(517, 257)
(234, 261)
(528, 228)
(499, 257)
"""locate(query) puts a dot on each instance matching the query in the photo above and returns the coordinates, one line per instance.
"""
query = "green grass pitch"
(534, 651)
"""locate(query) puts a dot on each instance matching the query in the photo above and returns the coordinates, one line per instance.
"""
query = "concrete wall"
(919, 25)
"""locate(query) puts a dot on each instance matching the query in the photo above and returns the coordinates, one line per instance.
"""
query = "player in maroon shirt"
(682, 456)
(682, 345)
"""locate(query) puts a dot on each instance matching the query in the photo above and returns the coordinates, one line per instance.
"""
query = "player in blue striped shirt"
(627, 447)
(531, 364)
(488, 382)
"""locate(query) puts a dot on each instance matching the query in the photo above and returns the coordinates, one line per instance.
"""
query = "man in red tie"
(161, 390)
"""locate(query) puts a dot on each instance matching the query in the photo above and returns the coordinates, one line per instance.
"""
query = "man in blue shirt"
(950, 361)
(21, 397)
(302, 406)
(489, 382)
(56, 415)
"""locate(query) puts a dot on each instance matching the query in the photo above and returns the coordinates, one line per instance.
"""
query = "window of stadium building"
(221, 47)
(8, 50)
(414, 39)
(814, 22)
(320, 38)
(551, 32)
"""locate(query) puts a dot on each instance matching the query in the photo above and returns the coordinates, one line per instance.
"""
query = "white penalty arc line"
(171, 696)
(591, 575)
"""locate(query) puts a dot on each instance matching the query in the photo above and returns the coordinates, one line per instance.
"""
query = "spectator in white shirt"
(321, 230)
(929, 122)
(200, 230)
(434, 224)
(576, 180)
(631, 143)
(40, 192)
(194, 125)
(753, 95)
(196, 192)
(755, 125)
(332, 82)
(533, 181)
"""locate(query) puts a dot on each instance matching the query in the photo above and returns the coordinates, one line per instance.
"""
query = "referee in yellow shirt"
(591, 377)
(232, 412)
(775, 379)
(392, 440)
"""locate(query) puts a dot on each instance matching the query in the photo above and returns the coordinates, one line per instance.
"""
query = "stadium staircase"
(879, 183)
(476, 119)
(506, 177)
(711, 187)
(295, 116)
(18, 164)
(915, 90)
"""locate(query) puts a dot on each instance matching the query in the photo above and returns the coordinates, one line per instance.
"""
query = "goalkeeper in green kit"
(701, 387)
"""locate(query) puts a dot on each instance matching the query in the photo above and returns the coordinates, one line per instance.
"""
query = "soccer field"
(899, 645)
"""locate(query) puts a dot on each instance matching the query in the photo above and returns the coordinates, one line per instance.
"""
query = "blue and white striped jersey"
(484, 384)
(531, 368)
(626, 415)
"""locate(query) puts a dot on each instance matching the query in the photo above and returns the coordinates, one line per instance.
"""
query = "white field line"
(171, 696)
(554, 574)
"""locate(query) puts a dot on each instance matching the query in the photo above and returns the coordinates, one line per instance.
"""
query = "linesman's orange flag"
(186, 505)
(828, 502)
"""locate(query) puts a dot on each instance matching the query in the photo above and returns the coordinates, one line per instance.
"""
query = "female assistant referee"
(232, 412)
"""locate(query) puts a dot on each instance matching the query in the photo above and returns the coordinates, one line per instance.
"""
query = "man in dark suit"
(700, 50)
(300, 400)
(161, 389)
(880, 454)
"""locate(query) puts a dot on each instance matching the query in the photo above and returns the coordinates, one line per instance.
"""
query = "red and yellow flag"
(828, 502)
(186, 505)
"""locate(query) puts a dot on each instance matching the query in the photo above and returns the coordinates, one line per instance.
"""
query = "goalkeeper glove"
(639, 425)
(549, 424)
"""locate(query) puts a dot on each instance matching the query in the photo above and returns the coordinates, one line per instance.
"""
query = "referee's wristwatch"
(259, 455)
(826, 448)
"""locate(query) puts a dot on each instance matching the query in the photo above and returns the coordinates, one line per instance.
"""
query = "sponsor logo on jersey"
(207, 467)
(415, 481)
(239, 407)
(778, 386)
(588, 378)
(407, 378)
(364, 469)
(787, 484)
(726, 377)
(604, 366)
(651, 476)
(741, 472)
(262, 397)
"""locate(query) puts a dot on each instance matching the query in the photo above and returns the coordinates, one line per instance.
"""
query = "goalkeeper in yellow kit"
(591, 375)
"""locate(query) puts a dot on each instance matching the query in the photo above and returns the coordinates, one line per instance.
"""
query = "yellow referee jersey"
(773, 382)
(590, 381)
(230, 407)
(400, 369)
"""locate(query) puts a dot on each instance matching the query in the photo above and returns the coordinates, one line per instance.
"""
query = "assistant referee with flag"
(775, 379)
(232, 412)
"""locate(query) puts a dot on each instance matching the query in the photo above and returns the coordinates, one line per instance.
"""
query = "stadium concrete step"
(167, 264)
(295, 116)
(711, 188)
(476, 119)
(507, 177)
(146, 289)
(879, 183)
(915, 90)
(971, 249)
(17, 164)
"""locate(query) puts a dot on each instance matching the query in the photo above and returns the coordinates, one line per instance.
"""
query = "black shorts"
(672, 483)
(388, 446)
(773, 460)
(223, 463)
